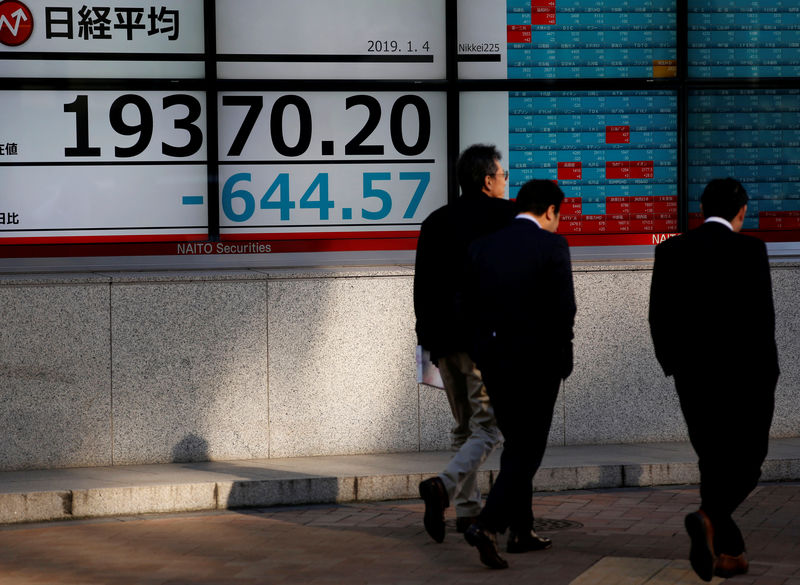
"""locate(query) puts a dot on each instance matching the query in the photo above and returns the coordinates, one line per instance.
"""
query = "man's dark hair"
(537, 195)
(723, 198)
(474, 164)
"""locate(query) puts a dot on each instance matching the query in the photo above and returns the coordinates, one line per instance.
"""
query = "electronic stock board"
(122, 133)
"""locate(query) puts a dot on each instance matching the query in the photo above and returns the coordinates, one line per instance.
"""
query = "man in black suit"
(439, 283)
(523, 307)
(713, 326)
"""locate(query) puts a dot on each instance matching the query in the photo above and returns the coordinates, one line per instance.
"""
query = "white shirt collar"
(530, 218)
(718, 219)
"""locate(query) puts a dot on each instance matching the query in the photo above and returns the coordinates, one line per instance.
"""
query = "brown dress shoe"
(486, 545)
(701, 555)
(729, 565)
(520, 543)
(434, 494)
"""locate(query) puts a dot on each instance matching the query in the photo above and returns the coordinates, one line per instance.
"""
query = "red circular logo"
(16, 23)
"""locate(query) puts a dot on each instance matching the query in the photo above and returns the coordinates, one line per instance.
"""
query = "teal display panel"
(613, 153)
(572, 39)
(567, 39)
(754, 137)
(738, 38)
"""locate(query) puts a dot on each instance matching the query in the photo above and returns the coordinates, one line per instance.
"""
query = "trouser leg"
(524, 411)
(728, 423)
(455, 388)
(460, 477)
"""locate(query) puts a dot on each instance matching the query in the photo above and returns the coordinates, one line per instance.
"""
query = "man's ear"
(738, 221)
(551, 212)
(742, 212)
(486, 186)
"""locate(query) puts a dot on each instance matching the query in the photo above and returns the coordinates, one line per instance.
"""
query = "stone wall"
(132, 367)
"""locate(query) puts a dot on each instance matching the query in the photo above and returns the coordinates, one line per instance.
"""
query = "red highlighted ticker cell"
(543, 12)
(543, 18)
(779, 220)
(645, 204)
(618, 134)
(629, 169)
(518, 33)
(570, 206)
(569, 171)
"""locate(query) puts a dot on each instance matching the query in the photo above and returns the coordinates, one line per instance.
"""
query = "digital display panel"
(754, 137)
(319, 39)
(69, 38)
(102, 166)
(613, 153)
(744, 38)
(567, 39)
(341, 164)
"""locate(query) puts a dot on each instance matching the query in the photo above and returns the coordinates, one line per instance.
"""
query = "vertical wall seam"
(266, 372)
(564, 414)
(419, 417)
(111, 366)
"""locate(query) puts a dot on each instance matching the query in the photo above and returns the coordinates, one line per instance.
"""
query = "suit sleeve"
(762, 309)
(661, 317)
(424, 272)
(566, 309)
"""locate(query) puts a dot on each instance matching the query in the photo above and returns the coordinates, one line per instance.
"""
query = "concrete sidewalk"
(32, 496)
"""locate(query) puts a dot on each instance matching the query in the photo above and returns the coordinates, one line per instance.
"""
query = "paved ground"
(624, 536)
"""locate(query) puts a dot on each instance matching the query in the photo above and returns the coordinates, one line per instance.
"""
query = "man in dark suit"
(713, 326)
(523, 307)
(439, 283)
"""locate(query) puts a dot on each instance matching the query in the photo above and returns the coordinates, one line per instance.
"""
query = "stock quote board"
(115, 169)
(83, 168)
(320, 126)
(567, 39)
(301, 167)
(613, 153)
(753, 136)
(319, 39)
(741, 38)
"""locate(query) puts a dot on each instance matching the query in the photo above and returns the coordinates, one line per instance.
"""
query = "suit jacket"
(524, 300)
(711, 307)
(440, 271)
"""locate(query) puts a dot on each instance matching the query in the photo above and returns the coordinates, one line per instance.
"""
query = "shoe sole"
(700, 555)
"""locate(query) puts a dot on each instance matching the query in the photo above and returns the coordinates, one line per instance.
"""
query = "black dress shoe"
(487, 547)
(464, 522)
(435, 497)
(701, 554)
(520, 543)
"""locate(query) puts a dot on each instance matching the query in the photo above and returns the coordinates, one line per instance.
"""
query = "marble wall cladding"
(617, 391)
(189, 371)
(786, 292)
(55, 376)
(435, 419)
(342, 368)
(147, 368)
